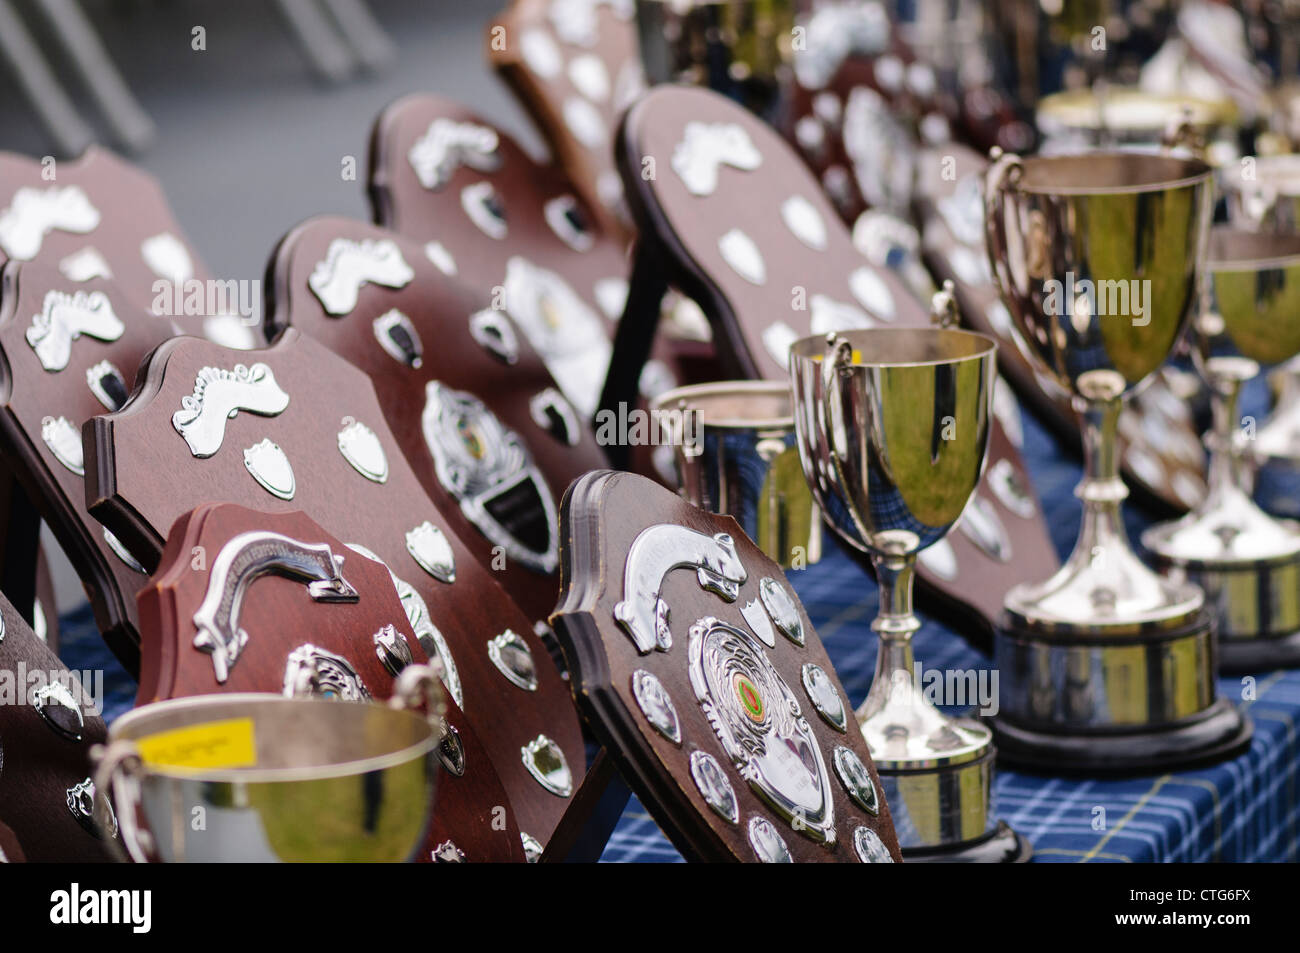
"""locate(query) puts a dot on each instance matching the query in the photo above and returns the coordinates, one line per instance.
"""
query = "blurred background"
(249, 136)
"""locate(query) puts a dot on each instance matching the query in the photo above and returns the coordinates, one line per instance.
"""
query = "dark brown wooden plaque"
(71, 350)
(754, 240)
(48, 724)
(643, 568)
(575, 69)
(513, 229)
(426, 340)
(1160, 450)
(99, 216)
(347, 638)
(296, 427)
(11, 852)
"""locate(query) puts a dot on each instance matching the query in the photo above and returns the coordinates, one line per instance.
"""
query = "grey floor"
(249, 144)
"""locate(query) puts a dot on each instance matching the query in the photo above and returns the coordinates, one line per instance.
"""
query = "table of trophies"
(1101, 684)
(1240, 810)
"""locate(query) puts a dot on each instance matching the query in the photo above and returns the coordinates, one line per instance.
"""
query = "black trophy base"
(1001, 845)
(1218, 733)
(1254, 656)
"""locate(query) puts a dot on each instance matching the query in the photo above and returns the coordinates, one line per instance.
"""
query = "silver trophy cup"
(1107, 666)
(274, 779)
(893, 428)
(734, 453)
(1247, 561)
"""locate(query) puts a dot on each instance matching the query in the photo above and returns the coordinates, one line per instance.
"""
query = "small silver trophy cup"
(294, 780)
(739, 459)
(892, 427)
(1107, 666)
(1247, 561)
(1264, 195)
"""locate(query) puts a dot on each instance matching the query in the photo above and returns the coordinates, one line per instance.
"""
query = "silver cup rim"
(1083, 109)
(1195, 172)
(1250, 250)
(669, 400)
(231, 704)
(864, 340)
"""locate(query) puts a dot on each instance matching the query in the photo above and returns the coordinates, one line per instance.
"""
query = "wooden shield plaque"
(296, 427)
(71, 350)
(734, 220)
(99, 216)
(441, 358)
(575, 67)
(507, 227)
(49, 721)
(249, 601)
(695, 663)
(11, 852)
(1160, 450)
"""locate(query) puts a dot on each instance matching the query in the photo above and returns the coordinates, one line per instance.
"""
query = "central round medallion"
(750, 699)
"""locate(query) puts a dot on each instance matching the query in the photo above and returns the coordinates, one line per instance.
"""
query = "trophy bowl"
(1247, 562)
(892, 427)
(734, 453)
(1107, 666)
(1264, 195)
(264, 778)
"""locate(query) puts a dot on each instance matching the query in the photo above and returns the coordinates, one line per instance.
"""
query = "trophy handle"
(689, 456)
(839, 354)
(1001, 176)
(943, 306)
(119, 771)
(422, 685)
(419, 685)
(1181, 134)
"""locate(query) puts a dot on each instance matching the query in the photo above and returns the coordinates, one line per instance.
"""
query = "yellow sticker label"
(214, 744)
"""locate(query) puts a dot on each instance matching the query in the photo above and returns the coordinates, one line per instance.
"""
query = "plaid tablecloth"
(1242, 810)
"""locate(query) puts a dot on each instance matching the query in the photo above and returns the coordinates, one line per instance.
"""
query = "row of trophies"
(363, 498)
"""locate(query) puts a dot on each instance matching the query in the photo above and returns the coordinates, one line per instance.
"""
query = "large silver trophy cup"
(1247, 561)
(1106, 666)
(892, 427)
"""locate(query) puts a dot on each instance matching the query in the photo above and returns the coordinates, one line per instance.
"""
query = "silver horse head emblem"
(447, 145)
(657, 551)
(706, 147)
(34, 213)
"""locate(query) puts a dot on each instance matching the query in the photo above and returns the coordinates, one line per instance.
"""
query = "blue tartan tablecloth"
(1242, 810)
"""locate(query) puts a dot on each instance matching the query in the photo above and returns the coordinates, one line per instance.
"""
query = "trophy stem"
(1101, 484)
(1102, 490)
(1246, 561)
(936, 770)
(895, 620)
(1225, 474)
